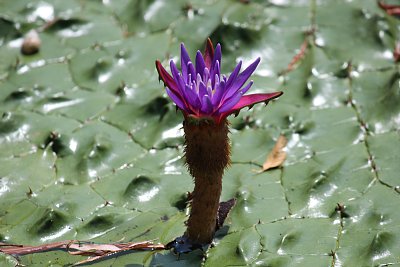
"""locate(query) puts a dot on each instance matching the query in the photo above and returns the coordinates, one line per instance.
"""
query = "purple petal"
(217, 55)
(192, 97)
(191, 71)
(246, 88)
(202, 89)
(215, 71)
(219, 92)
(234, 97)
(206, 74)
(242, 78)
(207, 106)
(225, 107)
(177, 99)
(209, 91)
(178, 79)
(240, 92)
(184, 61)
(200, 64)
(174, 71)
(234, 74)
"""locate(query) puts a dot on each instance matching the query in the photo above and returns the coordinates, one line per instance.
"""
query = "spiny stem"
(207, 152)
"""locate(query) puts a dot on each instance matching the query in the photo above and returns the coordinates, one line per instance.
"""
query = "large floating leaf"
(91, 148)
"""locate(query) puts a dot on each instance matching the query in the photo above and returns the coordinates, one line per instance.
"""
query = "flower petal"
(215, 72)
(232, 99)
(241, 79)
(166, 77)
(192, 97)
(184, 61)
(177, 99)
(206, 106)
(227, 105)
(202, 89)
(217, 55)
(246, 88)
(191, 71)
(206, 75)
(200, 64)
(249, 100)
(177, 78)
(209, 53)
(234, 74)
(218, 93)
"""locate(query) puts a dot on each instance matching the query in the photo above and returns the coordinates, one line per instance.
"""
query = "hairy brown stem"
(207, 155)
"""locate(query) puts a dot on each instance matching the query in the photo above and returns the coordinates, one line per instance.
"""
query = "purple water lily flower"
(200, 90)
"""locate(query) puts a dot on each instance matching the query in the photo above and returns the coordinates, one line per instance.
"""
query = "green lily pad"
(92, 148)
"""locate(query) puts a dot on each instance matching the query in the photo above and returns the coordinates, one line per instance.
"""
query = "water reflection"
(177, 131)
(73, 144)
(170, 166)
(104, 77)
(55, 235)
(4, 188)
(43, 11)
(75, 31)
(52, 106)
(146, 196)
(153, 9)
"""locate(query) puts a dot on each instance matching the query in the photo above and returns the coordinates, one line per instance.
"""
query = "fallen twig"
(74, 247)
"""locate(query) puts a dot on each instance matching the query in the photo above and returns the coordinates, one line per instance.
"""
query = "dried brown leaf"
(99, 251)
(277, 156)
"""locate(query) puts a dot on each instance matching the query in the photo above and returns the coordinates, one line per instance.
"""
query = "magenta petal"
(166, 77)
(209, 53)
(249, 100)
